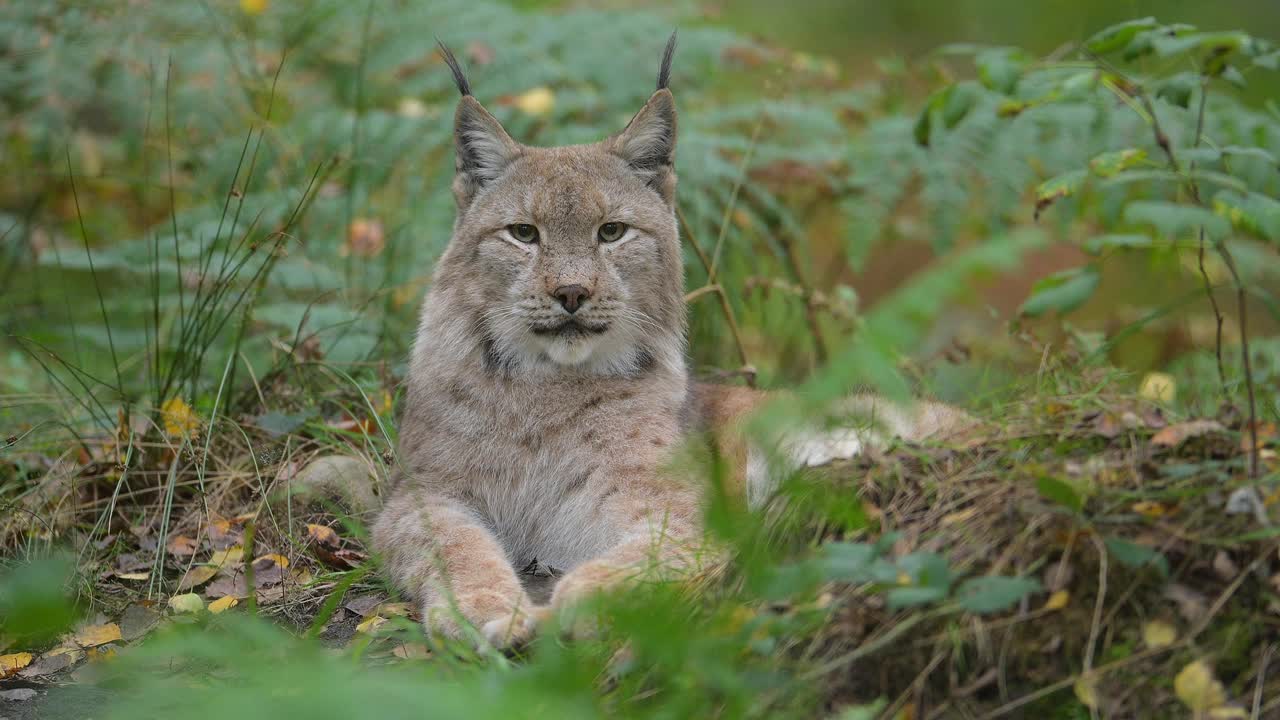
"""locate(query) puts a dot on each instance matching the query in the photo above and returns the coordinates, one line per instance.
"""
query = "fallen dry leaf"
(269, 569)
(1192, 605)
(226, 602)
(395, 609)
(235, 585)
(182, 546)
(1178, 433)
(197, 576)
(1224, 567)
(412, 651)
(1058, 600)
(138, 620)
(1086, 690)
(1158, 634)
(370, 624)
(324, 536)
(91, 635)
(1158, 387)
(133, 575)
(13, 662)
(364, 605)
(99, 654)
(228, 557)
(188, 603)
(179, 419)
(1151, 509)
(1198, 689)
(53, 661)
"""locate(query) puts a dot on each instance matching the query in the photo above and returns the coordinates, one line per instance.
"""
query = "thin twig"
(1204, 275)
(1162, 140)
(747, 369)
(1262, 678)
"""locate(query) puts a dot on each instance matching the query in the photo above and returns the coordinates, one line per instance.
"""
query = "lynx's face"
(568, 257)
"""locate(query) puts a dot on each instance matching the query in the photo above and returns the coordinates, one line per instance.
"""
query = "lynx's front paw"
(501, 622)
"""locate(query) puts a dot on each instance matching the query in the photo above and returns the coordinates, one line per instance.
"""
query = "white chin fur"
(569, 352)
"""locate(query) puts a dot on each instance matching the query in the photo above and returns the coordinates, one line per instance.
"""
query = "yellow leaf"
(1086, 690)
(254, 7)
(233, 555)
(1151, 509)
(537, 101)
(1058, 600)
(323, 535)
(1228, 712)
(12, 663)
(1197, 688)
(133, 575)
(226, 602)
(91, 635)
(188, 603)
(1158, 634)
(370, 624)
(270, 559)
(395, 609)
(179, 419)
(99, 654)
(197, 576)
(1158, 387)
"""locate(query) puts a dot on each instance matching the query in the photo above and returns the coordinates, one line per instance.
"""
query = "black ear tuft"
(664, 72)
(459, 79)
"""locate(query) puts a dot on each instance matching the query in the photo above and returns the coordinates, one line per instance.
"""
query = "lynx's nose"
(571, 297)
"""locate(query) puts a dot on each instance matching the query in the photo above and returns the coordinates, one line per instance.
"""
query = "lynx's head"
(567, 257)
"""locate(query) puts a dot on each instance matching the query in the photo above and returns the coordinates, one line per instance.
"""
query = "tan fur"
(518, 445)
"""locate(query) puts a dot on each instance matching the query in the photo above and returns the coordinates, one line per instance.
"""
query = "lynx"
(548, 387)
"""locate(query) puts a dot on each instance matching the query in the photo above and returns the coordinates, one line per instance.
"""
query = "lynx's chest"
(538, 461)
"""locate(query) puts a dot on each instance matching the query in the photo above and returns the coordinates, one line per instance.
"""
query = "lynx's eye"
(611, 232)
(524, 233)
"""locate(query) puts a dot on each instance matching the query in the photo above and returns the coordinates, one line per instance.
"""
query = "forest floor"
(1149, 566)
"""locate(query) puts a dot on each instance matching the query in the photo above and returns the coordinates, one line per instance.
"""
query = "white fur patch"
(813, 449)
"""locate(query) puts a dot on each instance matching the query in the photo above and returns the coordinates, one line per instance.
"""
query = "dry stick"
(1262, 677)
(810, 310)
(747, 370)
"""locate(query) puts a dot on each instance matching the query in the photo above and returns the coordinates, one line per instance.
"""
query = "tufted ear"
(484, 149)
(648, 143)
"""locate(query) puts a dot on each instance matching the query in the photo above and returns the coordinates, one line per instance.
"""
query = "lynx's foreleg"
(443, 556)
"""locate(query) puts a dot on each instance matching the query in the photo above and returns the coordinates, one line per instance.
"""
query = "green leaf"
(868, 711)
(1062, 291)
(1057, 187)
(1175, 220)
(1178, 88)
(278, 423)
(949, 105)
(1000, 68)
(847, 561)
(925, 568)
(1118, 36)
(1115, 162)
(901, 597)
(1269, 61)
(1134, 555)
(1215, 43)
(1250, 212)
(994, 592)
(1119, 241)
(1060, 492)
